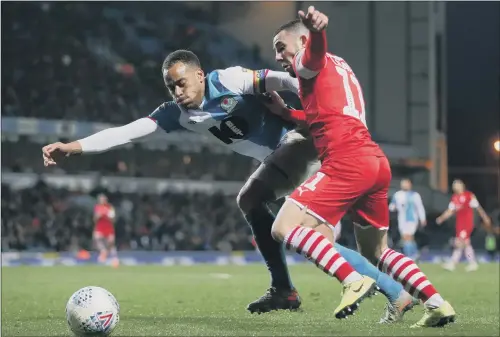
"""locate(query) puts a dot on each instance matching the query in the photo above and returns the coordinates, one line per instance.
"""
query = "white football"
(92, 311)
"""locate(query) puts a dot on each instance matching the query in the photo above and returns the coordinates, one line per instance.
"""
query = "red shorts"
(104, 231)
(464, 231)
(359, 185)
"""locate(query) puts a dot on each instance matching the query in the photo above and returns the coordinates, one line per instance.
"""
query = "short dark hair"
(291, 25)
(183, 56)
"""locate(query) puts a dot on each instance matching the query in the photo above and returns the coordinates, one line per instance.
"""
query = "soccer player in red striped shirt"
(354, 175)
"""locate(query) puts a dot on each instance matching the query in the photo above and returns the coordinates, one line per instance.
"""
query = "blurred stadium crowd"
(45, 218)
(100, 62)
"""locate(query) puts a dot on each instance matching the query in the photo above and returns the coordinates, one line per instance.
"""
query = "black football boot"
(276, 299)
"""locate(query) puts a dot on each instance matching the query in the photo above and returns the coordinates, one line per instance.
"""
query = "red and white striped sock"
(316, 247)
(404, 270)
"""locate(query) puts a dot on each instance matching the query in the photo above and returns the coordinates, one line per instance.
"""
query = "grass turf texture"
(203, 301)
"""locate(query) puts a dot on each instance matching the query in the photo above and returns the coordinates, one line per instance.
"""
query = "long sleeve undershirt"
(137, 131)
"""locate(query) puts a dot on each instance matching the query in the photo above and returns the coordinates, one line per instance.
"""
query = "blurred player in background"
(104, 230)
(492, 240)
(354, 176)
(411, 214)
(222, 105)
(462, 205)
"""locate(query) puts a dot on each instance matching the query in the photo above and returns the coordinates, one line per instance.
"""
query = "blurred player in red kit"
(462, 205)
(354, 175)
(104, 231)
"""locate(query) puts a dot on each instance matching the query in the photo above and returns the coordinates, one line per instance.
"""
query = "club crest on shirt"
(228, 104)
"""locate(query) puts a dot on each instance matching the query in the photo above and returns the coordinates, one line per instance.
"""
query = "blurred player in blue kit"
(411, 214)
(225, 106)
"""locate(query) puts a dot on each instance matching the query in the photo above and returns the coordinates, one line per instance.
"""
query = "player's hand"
(423, 223)
(51, 151)
(439, 220)
(314, 20)
(275, 104)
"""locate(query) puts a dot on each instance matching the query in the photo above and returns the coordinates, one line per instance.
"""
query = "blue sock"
(407, 248)
(410, 249)
(415, 249)
(390, 288)
(261, 220)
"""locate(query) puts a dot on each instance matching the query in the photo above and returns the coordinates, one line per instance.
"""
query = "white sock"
(435, 301)
(353, 277)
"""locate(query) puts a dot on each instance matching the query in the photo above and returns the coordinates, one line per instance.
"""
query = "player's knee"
(246, 201)
(277, 232)
(407, 237)
(280, 229)
(460, 243)
(253, 194)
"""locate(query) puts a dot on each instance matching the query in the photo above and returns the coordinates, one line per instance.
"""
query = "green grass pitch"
(207, 300)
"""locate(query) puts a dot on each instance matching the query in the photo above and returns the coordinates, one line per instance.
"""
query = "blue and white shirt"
(230, 113)
(409, 206)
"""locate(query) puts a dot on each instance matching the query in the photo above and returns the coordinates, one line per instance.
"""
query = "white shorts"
(407, 228)
(336, 230)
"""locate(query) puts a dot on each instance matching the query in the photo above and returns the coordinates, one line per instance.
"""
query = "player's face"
(103, 199)
(458, 187)
(286, 45)
(405, 185)
(186, 84)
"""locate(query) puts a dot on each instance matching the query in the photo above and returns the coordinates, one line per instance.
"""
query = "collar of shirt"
(206, 96)
(203, 103)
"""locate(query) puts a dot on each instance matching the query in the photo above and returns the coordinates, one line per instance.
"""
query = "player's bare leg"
(101, 247)
(458, 248)
(372, 243)
(296, 229)
(115, 262)
(470, 255)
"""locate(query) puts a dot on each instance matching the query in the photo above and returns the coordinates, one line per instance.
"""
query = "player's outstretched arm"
(445, 216)
(165, 117)
(102, 141)
(314, 55)
(280, 81)
(244, 81)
